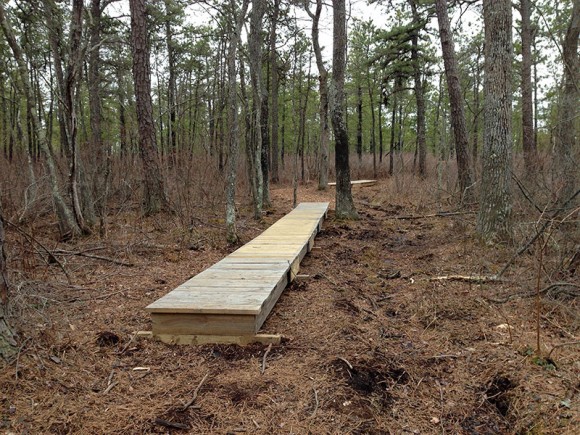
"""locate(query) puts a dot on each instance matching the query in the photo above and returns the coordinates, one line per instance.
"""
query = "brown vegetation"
(373, 344)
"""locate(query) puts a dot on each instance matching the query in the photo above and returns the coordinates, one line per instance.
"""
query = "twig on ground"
(425, 216)
(96, 257)
(542, 291)
(110, 387)
(539, 232)
(51, 256)
(571, 343)
(266, 356)
(468, 278)
(344, 360)
(128, 344)
(165, 423)
(195, 393)
(315, 403)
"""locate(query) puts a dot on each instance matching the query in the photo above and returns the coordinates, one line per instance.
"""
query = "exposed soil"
(372, 345)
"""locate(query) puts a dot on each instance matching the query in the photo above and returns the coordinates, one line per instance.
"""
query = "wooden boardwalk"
(230, 301)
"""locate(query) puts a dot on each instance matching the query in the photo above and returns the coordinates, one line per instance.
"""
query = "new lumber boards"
(229, 302)
(359, 183)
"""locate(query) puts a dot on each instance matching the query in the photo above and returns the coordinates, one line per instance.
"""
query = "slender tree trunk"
(101, 153)
(529, 145)
(345, 208)
(233, 137)
(323, 93)
(373, 126)
(495, 205)
(67, 224)
(419, 92)
(275, 91)
(380, 108)
(456, 102)
(7, 343)
(396, 89)
(255, 60)
(476, 110)
(73, 77)
(567, 143)
(359, 135)
(155, 199)
(171, 85)
(55, 38)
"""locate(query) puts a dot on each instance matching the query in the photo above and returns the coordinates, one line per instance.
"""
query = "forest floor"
(374, 344)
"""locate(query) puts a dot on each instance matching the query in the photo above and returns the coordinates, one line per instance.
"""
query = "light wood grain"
(234, 297)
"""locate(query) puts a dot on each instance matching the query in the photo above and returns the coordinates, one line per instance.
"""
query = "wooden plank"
(360, 183)
(203, 324)
(242, 340)
(233, 298)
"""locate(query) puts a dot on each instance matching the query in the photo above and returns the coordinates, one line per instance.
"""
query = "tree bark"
(274, 92)
(566, 144)
(72, 79)
(419, 92)
(323, 93)
(7, 343)
(495, 205)
(171, 85)
(233, 137)
(155, 199)
(528, 142)
(255, 60)
(464, 170)
(345, 208)
(67, 224)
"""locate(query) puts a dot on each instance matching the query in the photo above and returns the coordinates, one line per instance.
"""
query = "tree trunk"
(155, 199)
(171, 85)
(373, 125)
(566, 144)
(456, 102)
(102, 153)
(529, 145)
(345, 208)
(233, 137)
(274, 92)
(396, 89)
(255, 60)
(495, 205)
(359, 135)
(323, 93)
(72, 79)
(419, 92)
(7, 343)
(67, 224)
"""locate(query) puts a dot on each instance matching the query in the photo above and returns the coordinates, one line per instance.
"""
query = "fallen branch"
(476, 279)
(172, 424)
(195, 393)
(51, 257)
(96, 257)
(266, 356)
(433, 215)
(571, 343)
(539, 232)
(541, 292)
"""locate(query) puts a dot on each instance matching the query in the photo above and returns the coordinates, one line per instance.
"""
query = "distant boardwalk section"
(230, 301)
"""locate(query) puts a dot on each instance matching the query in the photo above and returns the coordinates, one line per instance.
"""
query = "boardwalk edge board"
(229, 301)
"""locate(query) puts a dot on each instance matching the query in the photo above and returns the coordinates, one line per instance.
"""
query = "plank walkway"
(230, 301)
